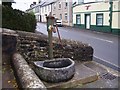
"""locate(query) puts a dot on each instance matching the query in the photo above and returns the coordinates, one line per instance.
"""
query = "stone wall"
(34, 47)
(26, 76)
(9, 41)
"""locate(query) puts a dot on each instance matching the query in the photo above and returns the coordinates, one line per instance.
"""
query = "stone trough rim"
(57, 59)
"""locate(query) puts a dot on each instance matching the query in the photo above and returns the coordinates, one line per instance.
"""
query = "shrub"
(17, 20)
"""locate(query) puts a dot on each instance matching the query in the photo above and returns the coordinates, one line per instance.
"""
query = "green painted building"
(101, 16)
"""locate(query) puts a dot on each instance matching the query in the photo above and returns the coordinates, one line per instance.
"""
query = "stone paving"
(9, 81)
(8, 78)
(102, 82)
(82, 75)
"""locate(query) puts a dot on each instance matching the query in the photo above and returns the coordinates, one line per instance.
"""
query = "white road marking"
(103, 40)
(66, 31)
(105, 61)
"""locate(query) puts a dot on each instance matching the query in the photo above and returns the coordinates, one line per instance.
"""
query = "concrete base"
(83, 75)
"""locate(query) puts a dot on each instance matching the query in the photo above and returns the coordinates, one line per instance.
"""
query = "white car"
(59, 22)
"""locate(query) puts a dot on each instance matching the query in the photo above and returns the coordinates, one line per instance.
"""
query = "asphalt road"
(105, 45)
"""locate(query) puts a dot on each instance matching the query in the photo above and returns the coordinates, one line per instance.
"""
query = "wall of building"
(116, 17)
(45, 10)
(98, 8)
(94, 7)
(56, 11)
(48, 7)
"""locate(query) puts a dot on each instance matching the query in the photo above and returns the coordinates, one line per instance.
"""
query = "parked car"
(59, 22)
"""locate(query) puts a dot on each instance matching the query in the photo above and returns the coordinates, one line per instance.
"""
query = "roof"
(8, 1)
(47, 2)
(42, 4)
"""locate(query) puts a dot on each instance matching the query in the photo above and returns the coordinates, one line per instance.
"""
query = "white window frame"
(99, 20)
(54, 5)
(42, 9)
(66, 16)
(78, 19)
(60, 5)
(65, 4)
(45, 8)
(61, 16)
(48, 7)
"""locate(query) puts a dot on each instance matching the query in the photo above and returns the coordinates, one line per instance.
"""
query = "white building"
(61, 9)
(45, 10)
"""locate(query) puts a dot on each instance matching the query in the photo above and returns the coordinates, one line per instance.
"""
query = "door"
(87, 21)
(40, 18)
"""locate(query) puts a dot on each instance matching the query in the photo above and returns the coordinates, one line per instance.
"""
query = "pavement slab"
(8, 78)
(102, 82)
(83, 75)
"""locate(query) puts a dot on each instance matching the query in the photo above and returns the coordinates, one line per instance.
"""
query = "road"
(105, 45)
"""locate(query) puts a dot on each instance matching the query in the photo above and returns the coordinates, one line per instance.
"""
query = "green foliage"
(17, 20)
(9, 4)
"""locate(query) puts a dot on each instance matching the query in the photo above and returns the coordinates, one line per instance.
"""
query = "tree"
(7, 3)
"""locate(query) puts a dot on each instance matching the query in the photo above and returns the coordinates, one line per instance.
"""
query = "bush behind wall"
(17, 20)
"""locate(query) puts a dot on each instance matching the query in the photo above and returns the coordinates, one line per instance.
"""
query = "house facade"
(62, 10)
(99, 16)
(36, 9)
(45, 10)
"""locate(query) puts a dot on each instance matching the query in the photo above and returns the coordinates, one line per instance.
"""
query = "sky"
(25, 4)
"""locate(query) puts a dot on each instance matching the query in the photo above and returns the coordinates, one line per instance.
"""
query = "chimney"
(39, 1)
(34, 3)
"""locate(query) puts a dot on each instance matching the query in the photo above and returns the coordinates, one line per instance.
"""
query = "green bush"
(17, 20)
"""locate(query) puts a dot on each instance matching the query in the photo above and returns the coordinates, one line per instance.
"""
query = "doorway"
(87, 21)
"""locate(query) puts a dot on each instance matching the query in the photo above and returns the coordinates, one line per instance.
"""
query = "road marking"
(66, 31)
(105, 61)
(103, 40)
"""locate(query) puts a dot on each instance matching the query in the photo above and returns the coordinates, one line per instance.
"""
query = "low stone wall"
(26, 76)
(34, 47)
(9, 41)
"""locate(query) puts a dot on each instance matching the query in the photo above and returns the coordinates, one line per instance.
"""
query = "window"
(49, 8)
(99, 19)
(45, 8)
(60, 16)
(37, 9)
(37, 17)
(66, 16)
(59, 4)
(78, 19)
(66, 4)
(54, 5)
(46, 15)
(53, 15)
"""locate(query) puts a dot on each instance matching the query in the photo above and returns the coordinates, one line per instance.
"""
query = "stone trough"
(55, 70)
